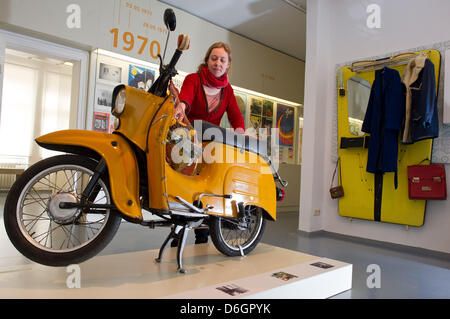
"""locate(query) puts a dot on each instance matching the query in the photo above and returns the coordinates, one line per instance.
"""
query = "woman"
(207, 95)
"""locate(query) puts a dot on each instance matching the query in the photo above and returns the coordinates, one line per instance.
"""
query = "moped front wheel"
(234, 239)
(48, 234)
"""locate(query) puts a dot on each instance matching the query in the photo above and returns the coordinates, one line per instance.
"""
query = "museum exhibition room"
(271, 150)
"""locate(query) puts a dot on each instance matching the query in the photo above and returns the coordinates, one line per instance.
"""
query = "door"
(43, 87)
(41, 91)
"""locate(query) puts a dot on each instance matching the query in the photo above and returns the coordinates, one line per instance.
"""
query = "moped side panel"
(120, 159)
(226, 171)
(156, 157)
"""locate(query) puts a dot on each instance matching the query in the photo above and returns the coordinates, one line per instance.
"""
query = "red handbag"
(427, 182)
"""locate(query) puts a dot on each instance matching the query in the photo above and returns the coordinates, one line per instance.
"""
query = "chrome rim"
(236, 238)
(51, 228)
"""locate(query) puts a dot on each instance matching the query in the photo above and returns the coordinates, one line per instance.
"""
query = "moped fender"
(120, 159)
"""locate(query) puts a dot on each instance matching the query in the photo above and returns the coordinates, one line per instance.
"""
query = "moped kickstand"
(180, 233)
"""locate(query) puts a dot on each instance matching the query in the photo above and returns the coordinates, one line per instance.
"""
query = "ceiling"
(278, 24)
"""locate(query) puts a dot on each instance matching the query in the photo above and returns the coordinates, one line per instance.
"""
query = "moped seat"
(211, 132)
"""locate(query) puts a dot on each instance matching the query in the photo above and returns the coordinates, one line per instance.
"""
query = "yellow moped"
(65, 209)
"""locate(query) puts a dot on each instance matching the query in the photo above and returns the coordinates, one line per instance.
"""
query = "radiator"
(7, 178)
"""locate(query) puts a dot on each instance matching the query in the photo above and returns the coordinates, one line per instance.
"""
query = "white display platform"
(136, 275)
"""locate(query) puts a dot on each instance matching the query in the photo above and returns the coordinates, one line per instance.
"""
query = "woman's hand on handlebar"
(180, 107)
(179, 113)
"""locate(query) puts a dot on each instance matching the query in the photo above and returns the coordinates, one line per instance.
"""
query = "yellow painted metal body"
(247, 178)
(358, 184)
(120, 159)
(140, 109)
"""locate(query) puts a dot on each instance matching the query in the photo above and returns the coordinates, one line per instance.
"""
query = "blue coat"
(383, 121)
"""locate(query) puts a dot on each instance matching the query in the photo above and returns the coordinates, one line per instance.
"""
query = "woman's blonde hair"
(216, 45)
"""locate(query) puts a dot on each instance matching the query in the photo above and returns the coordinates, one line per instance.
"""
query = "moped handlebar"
(174, 60)
(159, 88)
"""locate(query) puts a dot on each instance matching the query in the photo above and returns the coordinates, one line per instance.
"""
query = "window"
(36, 100)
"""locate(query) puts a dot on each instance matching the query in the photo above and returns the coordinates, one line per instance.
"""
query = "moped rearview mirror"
(169, 19)
(171, 22)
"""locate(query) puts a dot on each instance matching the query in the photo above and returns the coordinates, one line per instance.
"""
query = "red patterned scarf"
(211, 81)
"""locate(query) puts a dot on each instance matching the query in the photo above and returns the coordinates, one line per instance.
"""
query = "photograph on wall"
(110, 72)
(241, 100)
(101, 122)
(256, 106)
(255, 122)
(141, 78)
(266, 125)
(284, 276)
(103, 95)
(285, 124)
(232, 289)
(256, 119)
(267, 108)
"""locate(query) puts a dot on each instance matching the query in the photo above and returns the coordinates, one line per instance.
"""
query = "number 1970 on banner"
(129, 41)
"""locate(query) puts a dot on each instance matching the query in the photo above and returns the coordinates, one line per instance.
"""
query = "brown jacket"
(410, 75)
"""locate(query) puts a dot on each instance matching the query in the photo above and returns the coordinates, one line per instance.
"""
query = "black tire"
(28, 211)
(229, 239)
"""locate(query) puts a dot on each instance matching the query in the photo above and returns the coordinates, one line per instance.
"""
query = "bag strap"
(334, 173)
(426, 159)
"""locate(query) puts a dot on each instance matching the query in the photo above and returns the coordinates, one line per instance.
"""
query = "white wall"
(337, 32)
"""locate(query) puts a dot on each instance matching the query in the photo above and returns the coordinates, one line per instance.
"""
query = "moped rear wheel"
(48, 234)
(233, 239)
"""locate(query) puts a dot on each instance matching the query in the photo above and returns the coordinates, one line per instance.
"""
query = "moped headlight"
(119, 103)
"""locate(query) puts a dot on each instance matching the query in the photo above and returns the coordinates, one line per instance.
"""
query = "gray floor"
(404, 273)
